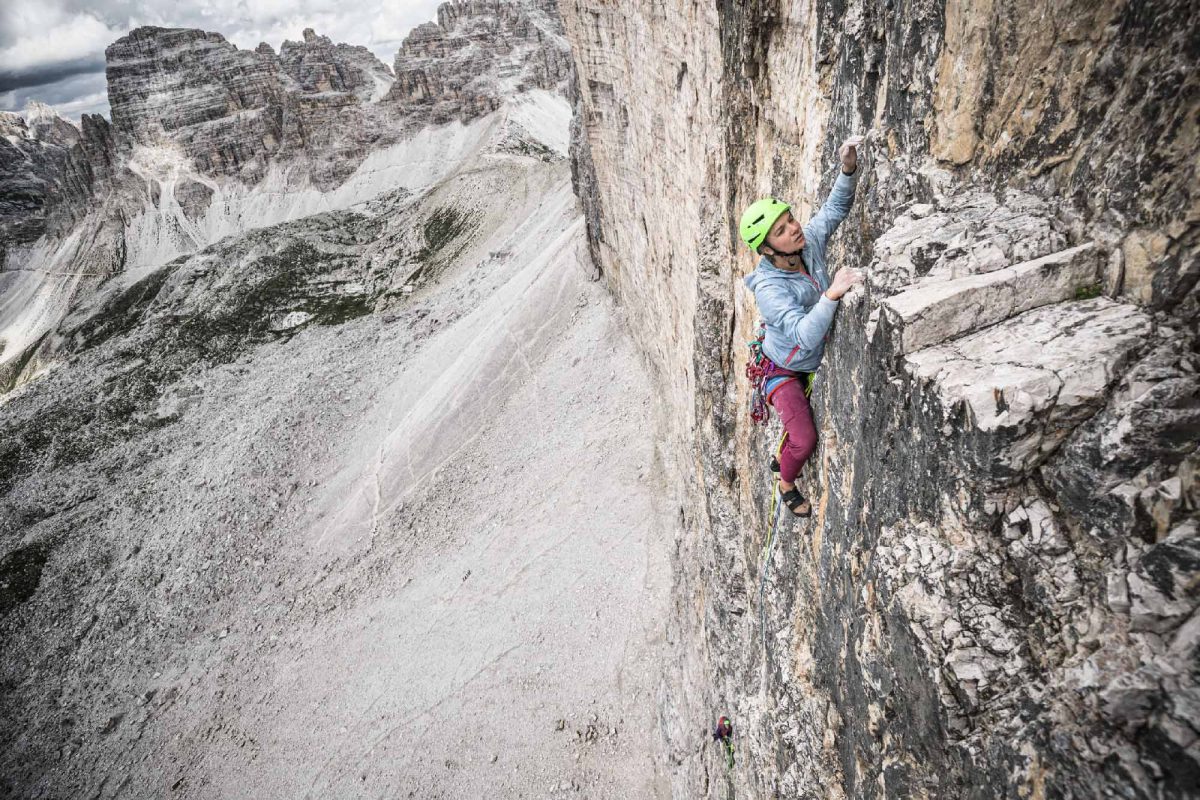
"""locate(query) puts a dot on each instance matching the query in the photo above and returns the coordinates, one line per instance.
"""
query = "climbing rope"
(768, 548)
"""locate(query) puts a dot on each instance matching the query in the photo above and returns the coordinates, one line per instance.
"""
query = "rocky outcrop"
(233, 112)
(996, 595)
(47, 171)
(319, 66)
(478, 53)
(221, 105)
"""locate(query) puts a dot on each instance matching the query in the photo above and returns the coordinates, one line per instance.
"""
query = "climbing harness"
(766, 377)
(723, 733)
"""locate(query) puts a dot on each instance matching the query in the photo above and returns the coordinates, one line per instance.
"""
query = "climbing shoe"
(795, 501)
(774, 464)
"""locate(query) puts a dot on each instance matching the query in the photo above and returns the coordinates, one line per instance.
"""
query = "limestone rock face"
(47, 171)
(222, 105)
(996, 595)
(317, 65)
(475, 54)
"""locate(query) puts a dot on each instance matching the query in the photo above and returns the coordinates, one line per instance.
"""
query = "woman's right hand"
(842, 281)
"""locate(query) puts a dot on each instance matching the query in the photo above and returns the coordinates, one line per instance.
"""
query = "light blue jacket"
(794, 305)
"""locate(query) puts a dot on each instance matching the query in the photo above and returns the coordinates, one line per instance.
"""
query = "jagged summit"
(39, 122)
(48, 168)
(232, 112)
(221, 104)
(477, 53)
(316, 64)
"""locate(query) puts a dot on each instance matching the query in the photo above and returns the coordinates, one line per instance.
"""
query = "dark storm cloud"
(72, 96)
(50, 73)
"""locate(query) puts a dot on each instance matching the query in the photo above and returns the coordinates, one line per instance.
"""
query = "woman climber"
(797, 300)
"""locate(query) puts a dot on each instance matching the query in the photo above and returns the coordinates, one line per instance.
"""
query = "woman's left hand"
(849, 154)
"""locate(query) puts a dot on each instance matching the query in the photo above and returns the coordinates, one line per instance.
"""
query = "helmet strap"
(788, 256)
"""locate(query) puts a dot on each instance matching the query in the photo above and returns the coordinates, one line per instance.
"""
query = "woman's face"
(786, 236)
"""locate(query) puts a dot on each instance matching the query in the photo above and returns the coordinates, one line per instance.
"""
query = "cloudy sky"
(53, 50)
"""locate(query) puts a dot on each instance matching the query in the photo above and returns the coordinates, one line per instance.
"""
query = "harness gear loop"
(760, 369)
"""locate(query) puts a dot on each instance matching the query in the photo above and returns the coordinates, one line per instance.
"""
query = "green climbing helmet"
(758, 219)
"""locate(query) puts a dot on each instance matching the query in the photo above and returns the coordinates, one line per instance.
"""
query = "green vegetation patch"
(295, 278)
(535, 149)
(20, 574)
(122, 312)
(146, 354)
(444, 225)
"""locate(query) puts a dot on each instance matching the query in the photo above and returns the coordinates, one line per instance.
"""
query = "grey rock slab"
(1036, 375)
(970, 233)
(933, 313)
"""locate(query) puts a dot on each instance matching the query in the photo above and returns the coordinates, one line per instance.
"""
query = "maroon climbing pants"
(793, 409)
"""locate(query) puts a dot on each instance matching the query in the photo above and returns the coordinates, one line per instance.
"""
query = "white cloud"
(50, 36)
(96, 103)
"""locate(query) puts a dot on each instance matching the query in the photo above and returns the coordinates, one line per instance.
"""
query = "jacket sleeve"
(837, 206)
(804, 326)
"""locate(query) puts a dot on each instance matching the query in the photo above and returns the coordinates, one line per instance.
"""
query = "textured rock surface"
(479, 51)
(1006, 457)
(925, 315)
(317, 65)
(222, 105)
(47, 171)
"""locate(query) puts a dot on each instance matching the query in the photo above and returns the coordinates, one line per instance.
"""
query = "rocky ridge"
(996, 595)
(48, 169)
(476, 53)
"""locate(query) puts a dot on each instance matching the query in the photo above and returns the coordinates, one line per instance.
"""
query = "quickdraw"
(759, 369)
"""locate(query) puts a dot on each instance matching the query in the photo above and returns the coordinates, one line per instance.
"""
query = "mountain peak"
(47, 125)
(478, 52)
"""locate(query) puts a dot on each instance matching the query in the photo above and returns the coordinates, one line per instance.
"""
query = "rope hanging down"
(768, 548)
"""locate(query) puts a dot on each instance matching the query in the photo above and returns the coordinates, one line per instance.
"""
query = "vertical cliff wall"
(997, 593)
